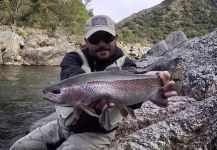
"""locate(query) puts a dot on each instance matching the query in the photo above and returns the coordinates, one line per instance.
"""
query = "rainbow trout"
(123, 88)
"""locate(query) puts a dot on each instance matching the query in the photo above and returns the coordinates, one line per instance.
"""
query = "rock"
(175, 39)
(38, 41)
(10, 47)
(151, 114)
(48, 55)
(191, 124)
(197, 60)
(158, 49)
(179, 131)
(1, 59)
(133, 51)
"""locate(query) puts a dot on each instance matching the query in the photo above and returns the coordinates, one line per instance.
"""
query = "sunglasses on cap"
(98, 36)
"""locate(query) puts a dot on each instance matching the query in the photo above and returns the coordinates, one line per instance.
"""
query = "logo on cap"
(99, 21)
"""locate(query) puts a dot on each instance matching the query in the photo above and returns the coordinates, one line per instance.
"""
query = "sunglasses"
(104, 36)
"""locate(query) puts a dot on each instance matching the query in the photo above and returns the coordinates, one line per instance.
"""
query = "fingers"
(165, 76)
(168, 86)
(171, 93)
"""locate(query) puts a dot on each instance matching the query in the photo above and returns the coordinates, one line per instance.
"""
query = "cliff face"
(193, 17)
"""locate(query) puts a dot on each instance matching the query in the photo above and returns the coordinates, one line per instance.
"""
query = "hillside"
(49, 15)
(193, 17)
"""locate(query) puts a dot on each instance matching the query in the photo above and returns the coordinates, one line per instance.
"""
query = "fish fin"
(132, 113)
(159, 99)
(126, 110)
(89, 110)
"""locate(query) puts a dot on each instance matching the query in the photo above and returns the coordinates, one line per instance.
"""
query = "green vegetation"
(193, 17)
(45, 14)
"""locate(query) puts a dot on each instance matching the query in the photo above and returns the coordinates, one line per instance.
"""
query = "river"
(21, 101)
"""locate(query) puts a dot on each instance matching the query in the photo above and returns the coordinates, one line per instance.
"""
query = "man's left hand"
(167, 83)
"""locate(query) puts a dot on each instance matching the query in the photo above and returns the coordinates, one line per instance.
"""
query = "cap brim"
(94, 30)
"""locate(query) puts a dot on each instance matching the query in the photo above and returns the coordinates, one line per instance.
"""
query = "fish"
(121, 87)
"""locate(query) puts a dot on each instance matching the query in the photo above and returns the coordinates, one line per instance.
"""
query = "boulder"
(174, 39)
(48, 55)
(193, 128)
(158, 49)
(10, 48)
(191, 123)
(193, 60)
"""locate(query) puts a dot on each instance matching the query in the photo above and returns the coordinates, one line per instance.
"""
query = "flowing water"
(21, 101)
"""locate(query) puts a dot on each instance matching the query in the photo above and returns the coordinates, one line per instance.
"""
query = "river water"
(21, 100)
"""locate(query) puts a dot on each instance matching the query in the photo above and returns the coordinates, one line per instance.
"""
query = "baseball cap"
(99, 23)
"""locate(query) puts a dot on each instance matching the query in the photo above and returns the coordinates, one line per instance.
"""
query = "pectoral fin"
(89, 110)
(125, 111)
(159, 99)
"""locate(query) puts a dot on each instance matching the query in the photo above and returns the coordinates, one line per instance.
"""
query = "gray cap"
(99, 23)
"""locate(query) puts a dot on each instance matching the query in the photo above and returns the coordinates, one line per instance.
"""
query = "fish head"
(70, 96)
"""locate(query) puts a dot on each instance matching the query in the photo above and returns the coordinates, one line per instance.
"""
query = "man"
(75, 129)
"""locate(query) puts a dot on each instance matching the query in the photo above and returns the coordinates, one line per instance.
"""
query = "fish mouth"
(67, 96)
(50, 97)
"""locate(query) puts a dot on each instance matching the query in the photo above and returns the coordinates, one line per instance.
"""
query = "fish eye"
(56, 91)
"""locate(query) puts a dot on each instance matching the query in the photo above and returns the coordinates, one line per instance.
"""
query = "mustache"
(100, 49)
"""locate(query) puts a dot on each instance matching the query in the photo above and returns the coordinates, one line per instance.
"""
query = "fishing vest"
(64, 112)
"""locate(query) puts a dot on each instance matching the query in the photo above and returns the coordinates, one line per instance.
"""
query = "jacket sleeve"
(71, 65)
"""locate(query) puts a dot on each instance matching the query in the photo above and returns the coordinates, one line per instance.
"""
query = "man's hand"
(167, 83)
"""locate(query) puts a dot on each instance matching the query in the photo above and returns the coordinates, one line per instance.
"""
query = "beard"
(103, 53)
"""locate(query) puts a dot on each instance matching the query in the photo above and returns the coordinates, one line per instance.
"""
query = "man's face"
(101, 45)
